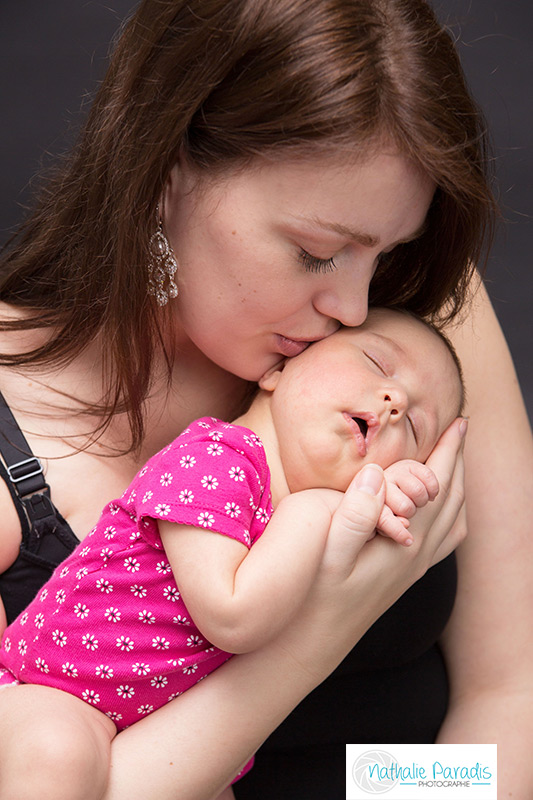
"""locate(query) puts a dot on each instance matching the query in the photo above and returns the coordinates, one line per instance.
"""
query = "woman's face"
(275, 257)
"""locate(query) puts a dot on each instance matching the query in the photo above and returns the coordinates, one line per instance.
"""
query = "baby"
(150, 603)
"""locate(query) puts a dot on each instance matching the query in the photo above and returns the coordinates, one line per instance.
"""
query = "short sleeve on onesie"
(213, 476)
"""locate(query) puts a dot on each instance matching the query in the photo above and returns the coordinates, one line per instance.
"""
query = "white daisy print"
(175, 662)
(186, 496)
(106, 554)
(110, 532)
(203, 424)
(82, 572)
(138, 591)
(160, 643)
(148, 496)
(262, 515)
(24, 618)
(125, 691)
(143, 471)
(206, 520)
(132, 497)
(163, 567)
(104, 671)
(41, 665)
(237, 474)
(39, 620)
(171, 593)
(187, 461)
(81, 610)
(43, 595)
(64, 572)
(145, 709)
(7, 644)
(209, 482)
(159, 681)
(22, 647)
(214, 449)
(140, 668)
(114, 716)
(125, 643)
(131, 564)
(60, 638)
(90, 696)
(146, 616)
(194, 641)
(85, 552)
(134, 536)
(104, 585)
(232, 509)
(163, 509)
(166, 479)
(191, 669)
(113, 508)
(90, 641)
(216, 436)
(248, 440)
(70, 670)
(112, 614)
(180, 620)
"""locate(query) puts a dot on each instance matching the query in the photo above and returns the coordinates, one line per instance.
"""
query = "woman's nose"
(345, 299)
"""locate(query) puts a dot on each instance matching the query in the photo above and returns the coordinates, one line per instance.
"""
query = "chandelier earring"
(162, 266)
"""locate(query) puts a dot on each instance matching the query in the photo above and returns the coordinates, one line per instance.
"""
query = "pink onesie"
(110, 626)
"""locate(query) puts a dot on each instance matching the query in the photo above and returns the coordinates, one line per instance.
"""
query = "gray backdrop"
(53, 52)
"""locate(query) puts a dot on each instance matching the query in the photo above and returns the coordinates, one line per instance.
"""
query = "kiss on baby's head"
(381, 392)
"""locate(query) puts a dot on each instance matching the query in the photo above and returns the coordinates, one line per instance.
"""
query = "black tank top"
(47, 538)
(391, 688)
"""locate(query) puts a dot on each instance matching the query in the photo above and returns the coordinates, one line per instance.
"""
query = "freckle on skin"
(233, 233)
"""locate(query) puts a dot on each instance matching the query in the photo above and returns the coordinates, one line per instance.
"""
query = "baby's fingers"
(394, 527)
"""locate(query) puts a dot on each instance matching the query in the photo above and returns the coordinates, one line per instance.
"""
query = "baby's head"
(381, 392)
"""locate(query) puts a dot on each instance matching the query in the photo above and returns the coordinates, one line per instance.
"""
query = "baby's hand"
(409, 485)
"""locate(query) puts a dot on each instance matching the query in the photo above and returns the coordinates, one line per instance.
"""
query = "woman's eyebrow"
(361, 237)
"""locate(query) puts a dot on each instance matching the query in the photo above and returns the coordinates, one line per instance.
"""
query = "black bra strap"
(24, 469)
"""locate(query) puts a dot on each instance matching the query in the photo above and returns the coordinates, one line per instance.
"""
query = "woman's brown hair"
(225, 81)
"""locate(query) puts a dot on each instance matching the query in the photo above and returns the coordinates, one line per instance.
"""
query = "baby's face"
(378, 393)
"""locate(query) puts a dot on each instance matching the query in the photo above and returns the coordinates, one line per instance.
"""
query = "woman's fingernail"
(369, 479)
(463, 427)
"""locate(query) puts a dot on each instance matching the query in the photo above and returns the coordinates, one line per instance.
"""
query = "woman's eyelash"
(314, 264)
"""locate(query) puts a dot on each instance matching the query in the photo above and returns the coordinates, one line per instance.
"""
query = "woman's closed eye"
(314, 264)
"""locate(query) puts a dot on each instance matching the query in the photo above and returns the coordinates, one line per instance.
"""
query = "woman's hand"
(358, 581)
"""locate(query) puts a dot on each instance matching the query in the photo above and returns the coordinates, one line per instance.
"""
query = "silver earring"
(162, 266)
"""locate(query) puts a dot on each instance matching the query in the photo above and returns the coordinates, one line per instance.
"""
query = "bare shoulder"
(10, 532)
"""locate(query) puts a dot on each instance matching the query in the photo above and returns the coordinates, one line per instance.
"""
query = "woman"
(299, 156)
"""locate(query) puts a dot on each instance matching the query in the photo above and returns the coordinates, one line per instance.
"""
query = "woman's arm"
(193, 747)
(489, 640)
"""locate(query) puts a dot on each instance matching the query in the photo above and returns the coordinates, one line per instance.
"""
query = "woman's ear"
(270, 379)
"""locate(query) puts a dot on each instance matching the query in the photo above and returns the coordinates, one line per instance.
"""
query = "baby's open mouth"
(362, 424)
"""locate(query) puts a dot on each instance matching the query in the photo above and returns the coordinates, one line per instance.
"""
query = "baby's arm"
(241, 598)
(409, 485)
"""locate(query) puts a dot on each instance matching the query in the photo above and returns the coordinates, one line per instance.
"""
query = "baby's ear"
(270, 379)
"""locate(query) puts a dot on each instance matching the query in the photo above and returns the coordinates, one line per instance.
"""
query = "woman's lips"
(290, 347)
